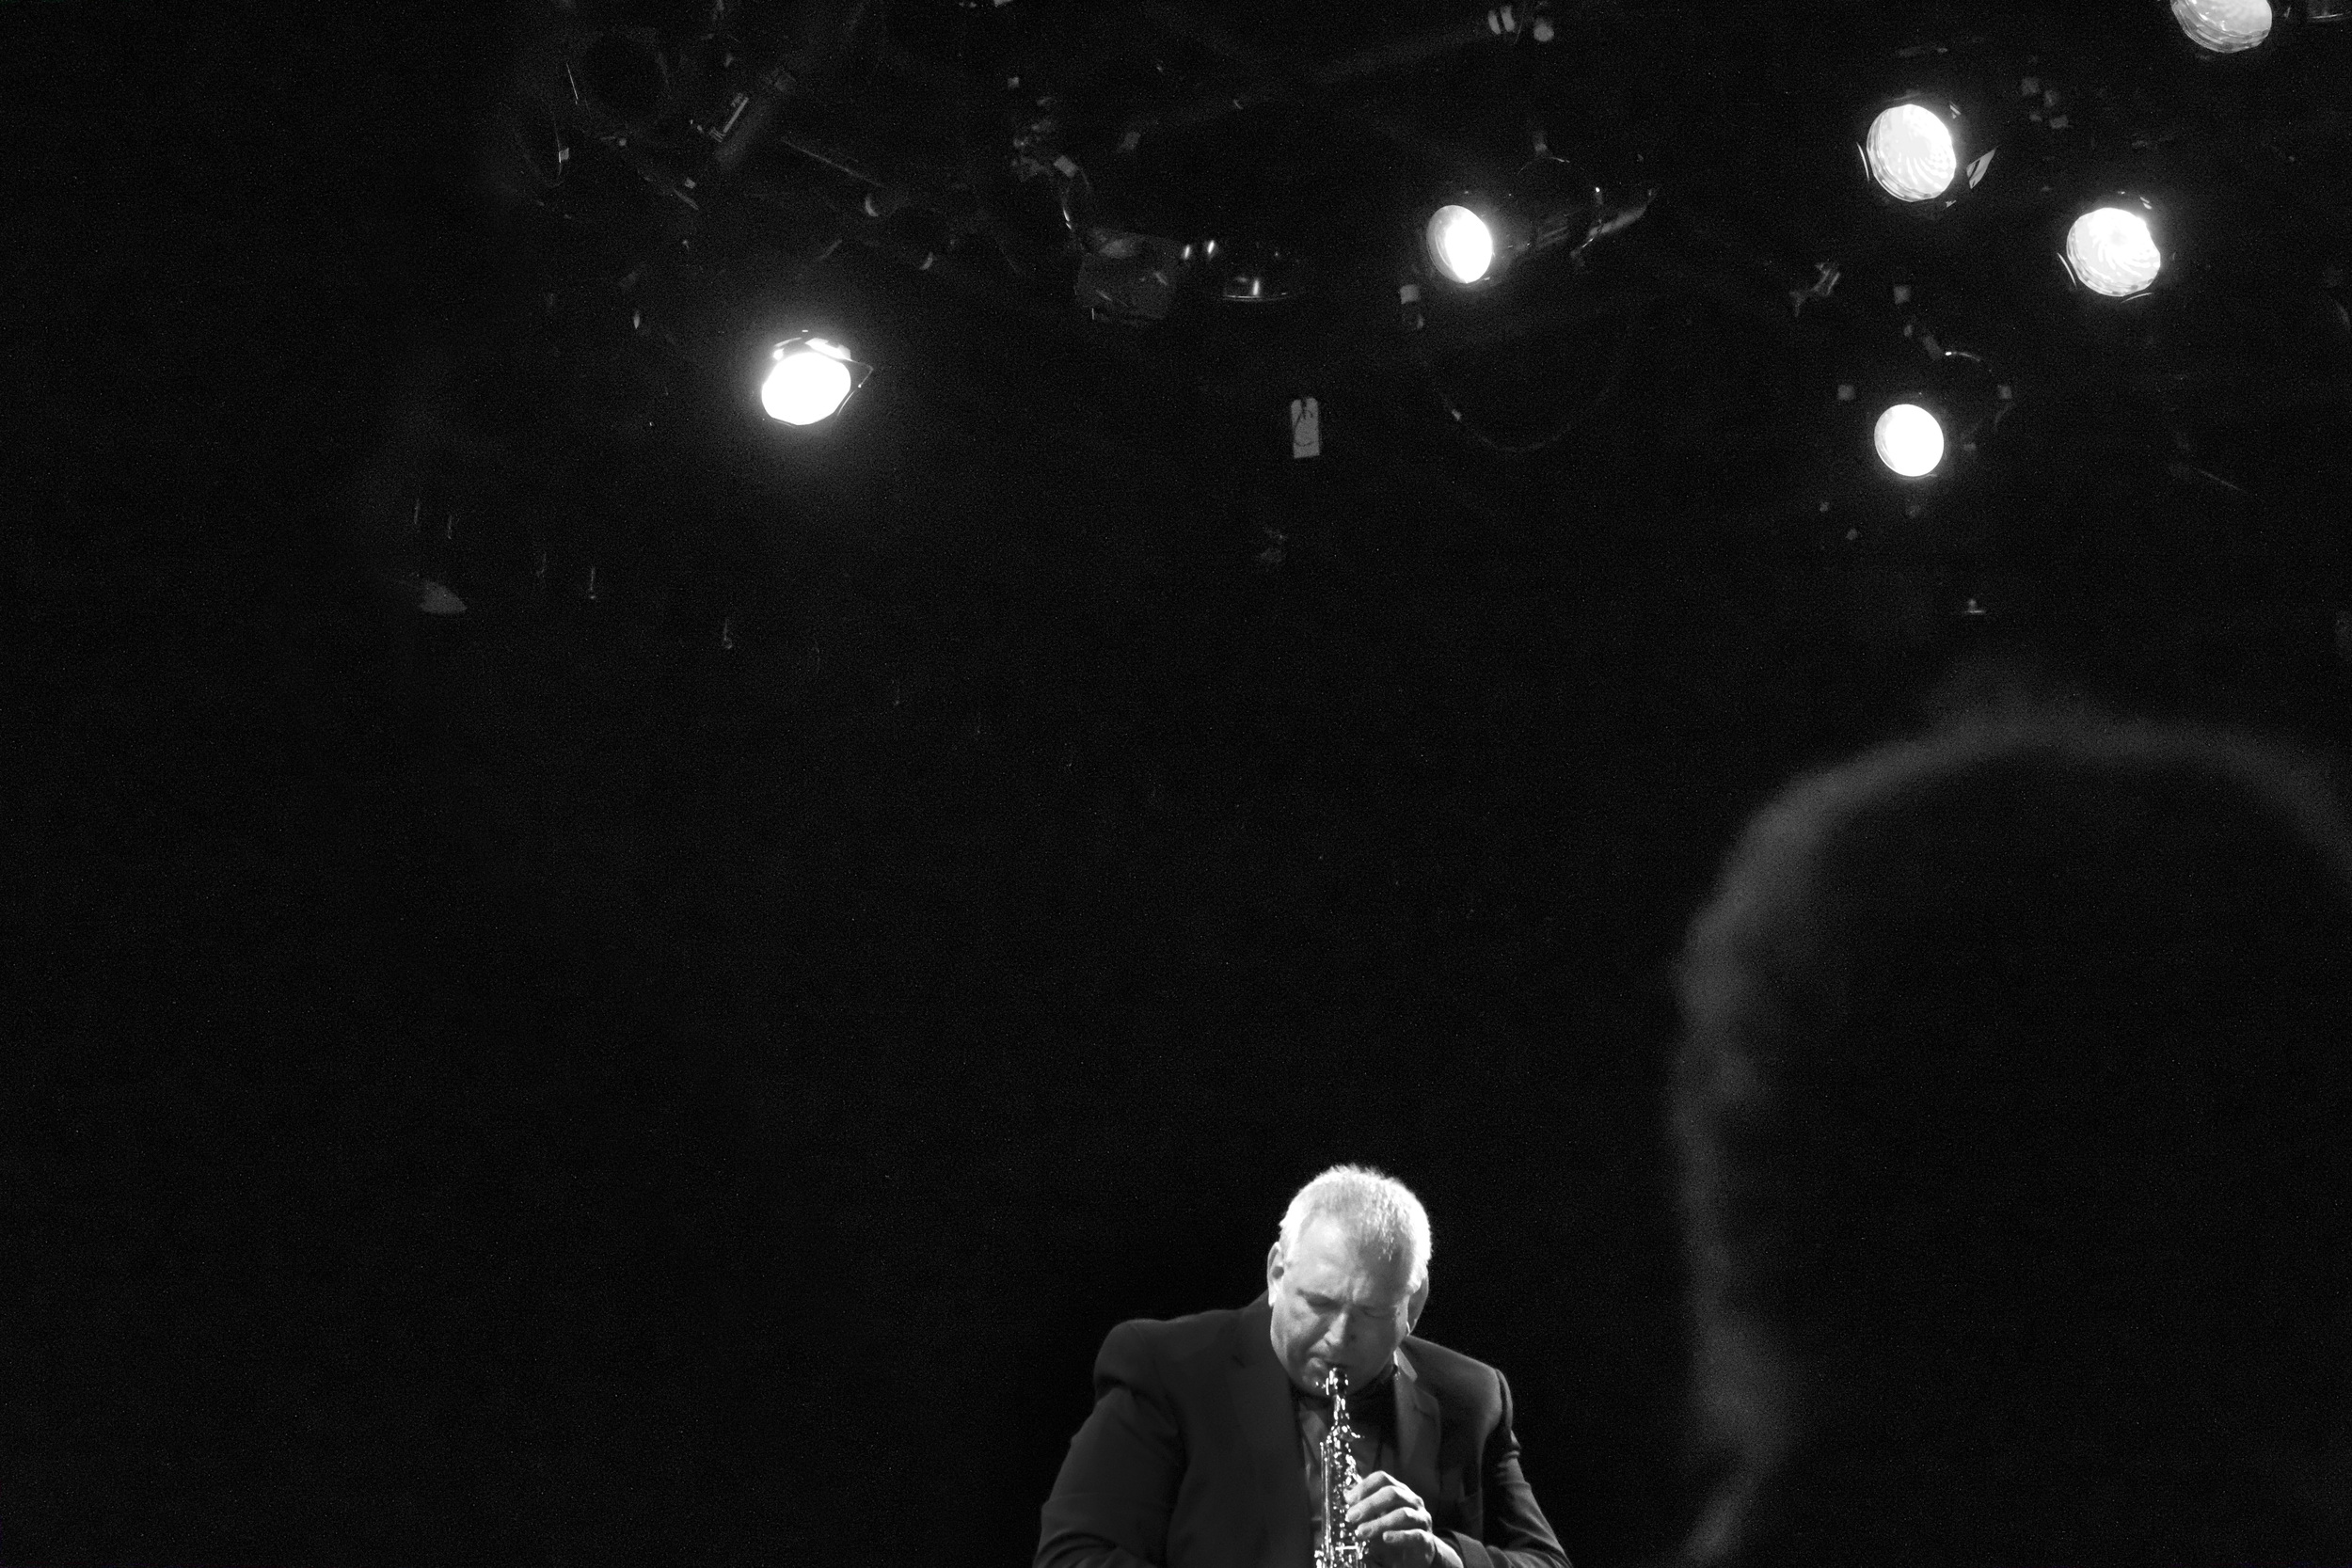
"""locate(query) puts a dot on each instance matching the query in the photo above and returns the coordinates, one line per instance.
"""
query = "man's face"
(1333, 1306)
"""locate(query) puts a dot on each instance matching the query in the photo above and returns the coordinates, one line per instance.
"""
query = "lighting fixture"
(1460, 245)
(2111, 249)
(1910, 440)
(1922, 151)
(808, 380)
(2225, 27)
(1477, 235)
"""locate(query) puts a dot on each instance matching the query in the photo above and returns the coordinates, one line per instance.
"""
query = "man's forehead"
(1369, 1299)
(1330, 1262)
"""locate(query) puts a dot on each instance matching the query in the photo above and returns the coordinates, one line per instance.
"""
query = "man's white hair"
(1379, 1212)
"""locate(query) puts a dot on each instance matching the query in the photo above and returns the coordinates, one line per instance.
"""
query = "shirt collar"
(1398, 1367)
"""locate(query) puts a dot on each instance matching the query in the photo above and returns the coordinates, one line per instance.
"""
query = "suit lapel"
(1418, 1429)
(1261, 1395)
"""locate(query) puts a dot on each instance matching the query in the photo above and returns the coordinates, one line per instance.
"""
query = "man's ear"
(1414, 1303)
(1273, 1265)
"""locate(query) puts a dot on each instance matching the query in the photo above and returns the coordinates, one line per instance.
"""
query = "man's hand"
(1394, 1525)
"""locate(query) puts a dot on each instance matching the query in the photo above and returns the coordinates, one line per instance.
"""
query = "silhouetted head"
(2016, 1164)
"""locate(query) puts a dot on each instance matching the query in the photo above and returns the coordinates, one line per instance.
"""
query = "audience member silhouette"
(2015, 1158)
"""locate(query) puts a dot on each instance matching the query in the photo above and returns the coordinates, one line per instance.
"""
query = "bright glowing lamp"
(2224, 27)
(1909, 440)
(1909, 151)
(2110, 251)
(810, 380)
(1460, 243)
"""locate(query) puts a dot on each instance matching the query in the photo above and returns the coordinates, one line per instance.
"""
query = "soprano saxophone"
(1338, 1547)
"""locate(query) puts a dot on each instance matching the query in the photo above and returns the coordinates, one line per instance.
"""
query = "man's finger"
(1411, 1548)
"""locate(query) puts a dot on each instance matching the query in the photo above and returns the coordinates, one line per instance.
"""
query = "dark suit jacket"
(1191, 1458)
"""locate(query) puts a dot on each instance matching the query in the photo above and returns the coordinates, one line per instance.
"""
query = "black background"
(525, 1090)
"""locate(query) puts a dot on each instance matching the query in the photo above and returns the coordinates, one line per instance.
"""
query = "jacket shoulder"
(1429, 1356)
(1163, 1355)
(1461, 1380)
(1180, 1337)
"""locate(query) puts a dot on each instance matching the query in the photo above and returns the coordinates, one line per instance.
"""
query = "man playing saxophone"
(1212, 1442)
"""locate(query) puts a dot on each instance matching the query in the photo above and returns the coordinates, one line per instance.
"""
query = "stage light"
(804, 388)
(1922, 151)
(1909, 153)
(1461, 246)
(2224, 27)
(2111, 251)
(1478, 233)
(809, 379)
(1910, 440)
(1925, 408)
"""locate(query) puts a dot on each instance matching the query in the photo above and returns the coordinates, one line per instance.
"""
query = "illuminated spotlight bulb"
(1909, 153)
(1460, 243)
(2111, 252)
(2224, 27)
(1909, 440)
(808, 382)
